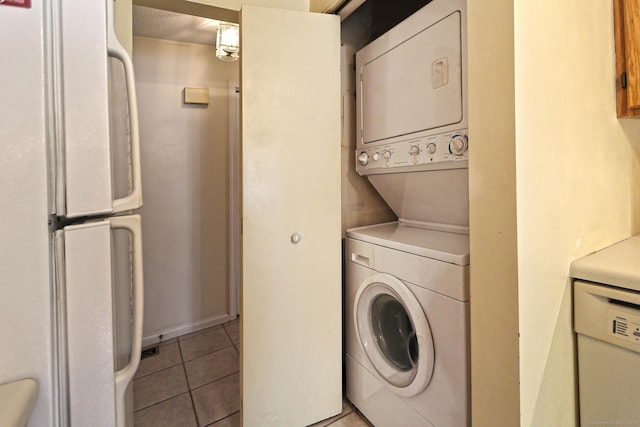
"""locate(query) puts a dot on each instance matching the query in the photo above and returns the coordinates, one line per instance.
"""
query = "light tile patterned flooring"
(195, 381)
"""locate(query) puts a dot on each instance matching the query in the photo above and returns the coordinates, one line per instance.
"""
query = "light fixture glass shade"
(228, 41)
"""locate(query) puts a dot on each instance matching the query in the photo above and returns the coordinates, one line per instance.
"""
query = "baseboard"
(157, 337)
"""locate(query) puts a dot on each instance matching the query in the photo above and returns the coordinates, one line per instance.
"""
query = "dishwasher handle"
(608, 314)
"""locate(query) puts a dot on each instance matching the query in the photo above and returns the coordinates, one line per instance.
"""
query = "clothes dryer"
(407, 283)
(407, 325)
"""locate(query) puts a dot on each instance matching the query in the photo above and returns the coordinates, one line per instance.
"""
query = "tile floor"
(194, 381)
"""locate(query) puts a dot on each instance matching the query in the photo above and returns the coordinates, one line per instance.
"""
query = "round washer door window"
(394, 332)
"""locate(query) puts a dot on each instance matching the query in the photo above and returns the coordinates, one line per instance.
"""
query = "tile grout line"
(207, 354)
(163, 369)
(214, 381)
(159, 402)
(182, 362)
(190, 390)
(228, 334)
(235, 346)
(186, 377)
(222, 419)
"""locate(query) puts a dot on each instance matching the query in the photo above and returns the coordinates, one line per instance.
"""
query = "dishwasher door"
(607, 323)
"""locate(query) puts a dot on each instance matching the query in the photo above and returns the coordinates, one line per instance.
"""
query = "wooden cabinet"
(627, 40)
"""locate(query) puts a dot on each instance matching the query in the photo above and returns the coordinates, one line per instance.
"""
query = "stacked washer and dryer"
(407, 282)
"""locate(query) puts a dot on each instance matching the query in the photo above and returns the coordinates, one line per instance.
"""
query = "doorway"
(190, 158)
(279, 212)
(188, 212)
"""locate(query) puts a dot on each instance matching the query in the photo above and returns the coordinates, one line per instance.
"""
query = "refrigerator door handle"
(123, 377)
(134, 199)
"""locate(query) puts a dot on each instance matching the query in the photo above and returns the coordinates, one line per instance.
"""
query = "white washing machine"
(407, 283)
(406, 325)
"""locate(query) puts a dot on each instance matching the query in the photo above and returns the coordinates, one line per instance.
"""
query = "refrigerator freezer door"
(85, 158)
(88, 256)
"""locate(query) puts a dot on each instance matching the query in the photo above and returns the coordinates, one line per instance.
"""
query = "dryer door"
(394, 332)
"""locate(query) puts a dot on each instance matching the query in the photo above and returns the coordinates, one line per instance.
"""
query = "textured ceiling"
(161, 24)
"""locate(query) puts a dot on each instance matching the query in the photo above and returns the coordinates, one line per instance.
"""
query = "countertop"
(616, 265)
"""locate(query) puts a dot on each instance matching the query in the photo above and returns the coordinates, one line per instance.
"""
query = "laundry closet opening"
(190, 190)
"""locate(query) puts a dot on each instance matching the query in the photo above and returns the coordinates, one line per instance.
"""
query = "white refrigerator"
(70, 241)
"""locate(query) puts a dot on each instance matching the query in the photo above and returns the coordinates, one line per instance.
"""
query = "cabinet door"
(291, 243)
(627, 39)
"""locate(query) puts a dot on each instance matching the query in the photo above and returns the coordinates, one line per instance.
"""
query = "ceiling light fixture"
(228, 41)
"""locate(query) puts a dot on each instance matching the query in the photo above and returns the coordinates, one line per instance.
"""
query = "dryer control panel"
(443, 151)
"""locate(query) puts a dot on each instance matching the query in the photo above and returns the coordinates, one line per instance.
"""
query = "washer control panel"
(428, 152)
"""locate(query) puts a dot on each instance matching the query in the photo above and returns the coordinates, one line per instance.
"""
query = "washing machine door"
(394, 333)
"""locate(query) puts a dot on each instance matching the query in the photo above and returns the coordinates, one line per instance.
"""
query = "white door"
(291, 252)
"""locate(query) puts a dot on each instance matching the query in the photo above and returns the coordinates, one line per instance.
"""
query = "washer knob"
(363, 158)
(458, 145)
(414, 150)
(431, 148)
(386, 154)
(376, 156)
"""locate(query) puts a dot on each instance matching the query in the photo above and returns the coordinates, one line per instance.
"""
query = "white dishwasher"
(607, 323)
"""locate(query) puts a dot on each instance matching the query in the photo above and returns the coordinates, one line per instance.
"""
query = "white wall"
(576, 177)
(542, 107)
(185, 185)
